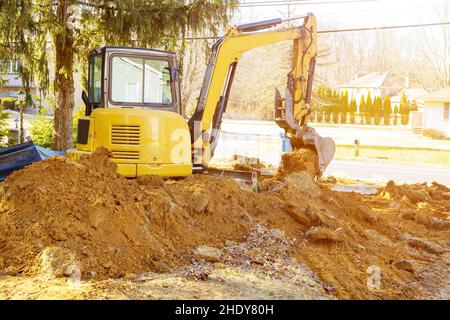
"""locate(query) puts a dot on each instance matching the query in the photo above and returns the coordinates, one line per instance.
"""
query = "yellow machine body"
(142, 141)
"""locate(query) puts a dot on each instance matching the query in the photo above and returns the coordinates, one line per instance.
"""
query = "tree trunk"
(64, 84)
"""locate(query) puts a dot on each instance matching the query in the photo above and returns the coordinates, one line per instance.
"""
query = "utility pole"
(290, 11)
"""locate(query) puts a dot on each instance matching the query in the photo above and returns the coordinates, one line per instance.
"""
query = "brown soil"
(112, 225)
(303, 159)
(58, 213)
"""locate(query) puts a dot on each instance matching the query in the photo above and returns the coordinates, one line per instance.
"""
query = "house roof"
(370, 80)
(13, 81)
(414, 94)
(439, 95)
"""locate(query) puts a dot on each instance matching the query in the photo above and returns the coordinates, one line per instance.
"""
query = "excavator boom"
(290, 113)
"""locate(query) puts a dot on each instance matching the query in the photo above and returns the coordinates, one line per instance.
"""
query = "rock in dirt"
(54, 262)
(326, 235)
(208, 253)
(405, 265)
(423, 244)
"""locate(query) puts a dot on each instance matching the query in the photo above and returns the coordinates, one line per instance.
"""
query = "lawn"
(411, 156)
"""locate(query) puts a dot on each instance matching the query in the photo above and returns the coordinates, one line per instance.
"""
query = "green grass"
(412, 156)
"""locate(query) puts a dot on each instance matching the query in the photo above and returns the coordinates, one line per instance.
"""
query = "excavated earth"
(59, 217)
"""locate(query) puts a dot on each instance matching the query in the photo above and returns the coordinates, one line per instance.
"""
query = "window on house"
(10, 66)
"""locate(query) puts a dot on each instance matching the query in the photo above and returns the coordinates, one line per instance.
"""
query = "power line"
(365, 12)
(386, 27)
(354, 29)
(296, 3)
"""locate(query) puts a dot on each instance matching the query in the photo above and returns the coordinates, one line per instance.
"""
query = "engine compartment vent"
(125, 155)
(123, 134)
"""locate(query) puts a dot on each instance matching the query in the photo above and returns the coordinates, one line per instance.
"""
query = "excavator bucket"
(325, 147)
(305, 136)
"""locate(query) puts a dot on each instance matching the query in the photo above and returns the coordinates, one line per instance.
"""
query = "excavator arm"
(290, 113)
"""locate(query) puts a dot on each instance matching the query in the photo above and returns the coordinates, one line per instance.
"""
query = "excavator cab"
(121, 77)
(133, 109)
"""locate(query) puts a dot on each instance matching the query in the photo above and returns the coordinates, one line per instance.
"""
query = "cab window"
(142, 81)
(95, 78)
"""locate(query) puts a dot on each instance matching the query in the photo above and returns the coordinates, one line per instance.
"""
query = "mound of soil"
(303, 159)
(58, 217)
(111, 225)
(345, 236)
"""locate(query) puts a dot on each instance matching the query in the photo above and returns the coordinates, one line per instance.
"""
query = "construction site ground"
(78, 230)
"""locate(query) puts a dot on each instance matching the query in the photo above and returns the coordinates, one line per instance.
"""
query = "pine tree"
(344, 107)
(404, 109)
(319, 115)
(362, 109)
(320, 92)
(407, 111)
(139, 23)
(329, 96)
(377, 110)
(328, 101)
(387, 110)
(369, 109)
(335, 107)
(352, 110)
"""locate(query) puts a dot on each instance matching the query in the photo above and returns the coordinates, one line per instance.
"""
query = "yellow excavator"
(133, 102)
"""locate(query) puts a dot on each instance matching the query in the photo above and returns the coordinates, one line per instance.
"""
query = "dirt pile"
(344, 236)
(109, 226)
(60, 215)
(303, 159)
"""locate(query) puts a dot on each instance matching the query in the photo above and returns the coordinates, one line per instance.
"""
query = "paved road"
(388, 171)
(372, 135)
(261, 139)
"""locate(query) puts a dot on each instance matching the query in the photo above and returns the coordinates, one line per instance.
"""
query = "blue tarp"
(18, 156)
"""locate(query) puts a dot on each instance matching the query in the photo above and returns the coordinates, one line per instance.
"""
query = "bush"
(42, 130)
(8, 103)
(4, 131)
(435, 134)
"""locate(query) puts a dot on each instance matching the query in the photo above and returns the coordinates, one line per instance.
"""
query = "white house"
(436, 111)
(11, 82)
(377, 83)
(412, 94)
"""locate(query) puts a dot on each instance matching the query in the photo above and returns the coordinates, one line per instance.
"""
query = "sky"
(344, 13)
